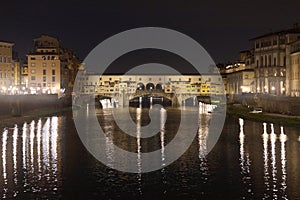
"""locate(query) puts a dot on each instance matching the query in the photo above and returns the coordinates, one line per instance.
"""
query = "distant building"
(210, 84)
(272, 70)
(24, 77)
(293, 70)
(6, 67)
(51, 68)
(240, 75)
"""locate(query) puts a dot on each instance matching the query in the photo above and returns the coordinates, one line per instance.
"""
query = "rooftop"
(6, 42)
(282, 32)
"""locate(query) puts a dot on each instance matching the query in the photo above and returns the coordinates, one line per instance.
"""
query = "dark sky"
(222, 27)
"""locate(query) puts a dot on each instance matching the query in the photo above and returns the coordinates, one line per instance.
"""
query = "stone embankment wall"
(269, 103)
(19, 104)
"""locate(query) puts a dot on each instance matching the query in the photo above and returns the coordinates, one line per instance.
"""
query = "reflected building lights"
(54, 135)
(25, 167)
(24, 153)
(15, 143)
(163, 116)
(162, 136)
(283, 139)
(4, 146)
(138, 141)
(266, 161)
(38, 137)
(273, 139)
(32, 129)
(202, 141)
(245, 162)
(109, 146)
(45, 144)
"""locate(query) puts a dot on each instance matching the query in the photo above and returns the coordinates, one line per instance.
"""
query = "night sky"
(222, 27)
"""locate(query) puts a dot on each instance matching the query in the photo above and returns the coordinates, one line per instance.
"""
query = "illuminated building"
(6, 67)
(272, 61)
(51, 68)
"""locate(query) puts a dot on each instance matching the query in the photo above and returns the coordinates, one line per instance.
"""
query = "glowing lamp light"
(273, 88)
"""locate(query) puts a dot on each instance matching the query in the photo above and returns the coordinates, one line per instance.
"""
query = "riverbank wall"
(269, 103)
(17, 105)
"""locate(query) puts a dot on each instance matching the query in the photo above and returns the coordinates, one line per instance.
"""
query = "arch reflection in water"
(245, 162)
(26, 164)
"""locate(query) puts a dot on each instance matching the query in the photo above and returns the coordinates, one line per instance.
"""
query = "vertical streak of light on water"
(266, 161)
(24, 153)
(245, 162)
(45, 148)
(32, 129)
(203, 131)
(138, 141)
(4, 147)
(283, 139)
(162, 146)
(38, 136)
(273, 161)
(54, 135)
(15, 143)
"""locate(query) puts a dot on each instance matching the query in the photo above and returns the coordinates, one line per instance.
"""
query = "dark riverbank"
(281, 119)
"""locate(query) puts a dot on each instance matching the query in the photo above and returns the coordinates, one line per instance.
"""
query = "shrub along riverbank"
(243, 112)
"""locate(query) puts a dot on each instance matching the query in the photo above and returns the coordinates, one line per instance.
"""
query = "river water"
(46, 159)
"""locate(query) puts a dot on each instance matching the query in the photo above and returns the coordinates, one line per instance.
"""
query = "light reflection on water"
(32, 162)
(24, 146)
(4, 144)
(271, 180)
(245, 163)
(202, 139)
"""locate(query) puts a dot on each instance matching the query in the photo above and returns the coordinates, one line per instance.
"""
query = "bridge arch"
(159, 86)
(140, 86)
(150, 86)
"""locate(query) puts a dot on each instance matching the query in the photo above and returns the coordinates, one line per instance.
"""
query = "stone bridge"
(123, 98)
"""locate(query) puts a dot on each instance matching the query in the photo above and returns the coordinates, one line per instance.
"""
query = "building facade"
(272, 73)
(51, 68)
(6, 67)
(240, 75)
(180, 84)
(293, 70)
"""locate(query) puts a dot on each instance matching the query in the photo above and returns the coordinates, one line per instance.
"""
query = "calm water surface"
(46, 159)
